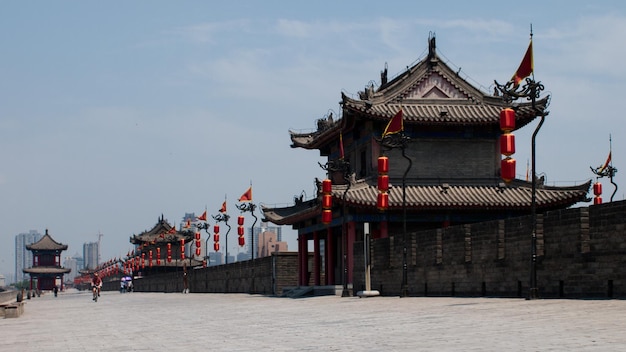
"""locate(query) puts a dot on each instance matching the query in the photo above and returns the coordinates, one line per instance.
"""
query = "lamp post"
(530, 90)
(205, 226)
(244, 207)
(219, 218)
(342, 166)
(393, 141)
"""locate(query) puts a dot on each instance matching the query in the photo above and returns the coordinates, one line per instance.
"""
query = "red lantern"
(327, 201)
(216, 246)
(507, 166)
(242, 241)
(216, 228)
(597, 189)
(240, 220)
(150, 256)
(507, 144)
(158, 255)
(507, 119)
(169, 252)
(216, 237)
(327, 186)
(240, 230)
(383, 164)
(597, 200)
(383, 182)
(382, 202)
(198, 251)
(327, 216)
(197, 236)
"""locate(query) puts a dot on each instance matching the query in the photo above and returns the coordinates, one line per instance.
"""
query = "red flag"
(202, 217)
(395, 125)
(525, 67)
(246, 197)
(223, 208)
(606, 163)
(341, 154)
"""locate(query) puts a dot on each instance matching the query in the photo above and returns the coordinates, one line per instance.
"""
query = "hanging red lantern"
(327, 201)
(383, 182)
(197, 236)
(242, 241)
(198, 251)
(597, 200)
(216, 228)
(507, 144)
(216, 246)
(507, 166)
(327, 216)
(327, 186)
(169, 252)
(158, 255)
(216, 237)
(240, 220)
(597, 189)
(150, 258)
(382, 202)
(507, 119)
(240, 230)
(383, 164)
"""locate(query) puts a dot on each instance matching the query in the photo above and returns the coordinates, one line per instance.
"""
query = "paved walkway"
(241, 322)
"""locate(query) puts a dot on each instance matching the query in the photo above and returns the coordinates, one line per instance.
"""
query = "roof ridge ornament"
(432, 46)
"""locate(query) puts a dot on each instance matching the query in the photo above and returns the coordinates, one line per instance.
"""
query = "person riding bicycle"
(96, 283)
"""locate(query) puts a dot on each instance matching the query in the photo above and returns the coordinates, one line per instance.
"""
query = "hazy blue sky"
(115, 112)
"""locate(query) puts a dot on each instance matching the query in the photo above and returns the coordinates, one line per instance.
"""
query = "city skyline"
(111, 119)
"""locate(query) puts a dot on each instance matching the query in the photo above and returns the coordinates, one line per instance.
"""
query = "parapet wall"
(581, 254)
(267, 275)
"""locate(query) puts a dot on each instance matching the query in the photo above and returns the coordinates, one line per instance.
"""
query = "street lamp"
(342, 166)
(244, 207)
(530, 90)
(219, 218)
(393, 141)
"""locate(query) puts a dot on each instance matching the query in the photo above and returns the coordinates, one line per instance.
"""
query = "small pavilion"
(46, 268)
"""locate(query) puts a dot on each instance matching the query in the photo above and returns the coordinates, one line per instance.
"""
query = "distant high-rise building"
(257, 232)
(71, 263)
(91, 251)
(24, 257)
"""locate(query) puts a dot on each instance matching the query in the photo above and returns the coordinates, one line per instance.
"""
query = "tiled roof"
(440, 197)
(46, 243)
(514, 196)
(47, 270)
(162, 232)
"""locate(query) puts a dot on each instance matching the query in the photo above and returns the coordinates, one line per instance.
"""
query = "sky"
(113, 113)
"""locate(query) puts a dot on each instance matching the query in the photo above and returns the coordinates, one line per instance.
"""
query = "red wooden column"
(304, 259)
(384, 232)
(316, 259)
(330, 257)
(351, 233)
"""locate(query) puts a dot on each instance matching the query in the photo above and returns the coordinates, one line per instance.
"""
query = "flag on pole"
(246, 196)
(606, 163)
(223, 208)
(526, 67)
(395, 125)
(202, 217)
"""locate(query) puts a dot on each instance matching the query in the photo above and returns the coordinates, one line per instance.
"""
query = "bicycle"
(96, 293)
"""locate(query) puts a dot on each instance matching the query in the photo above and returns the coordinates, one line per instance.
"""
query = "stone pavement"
(240, 322)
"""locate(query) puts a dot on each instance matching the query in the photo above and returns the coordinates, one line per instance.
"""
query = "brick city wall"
(581, 254)
(267, 275)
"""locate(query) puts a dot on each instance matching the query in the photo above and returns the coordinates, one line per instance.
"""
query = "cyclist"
(96, 284)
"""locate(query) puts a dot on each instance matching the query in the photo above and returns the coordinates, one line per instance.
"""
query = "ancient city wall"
(581, 253)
